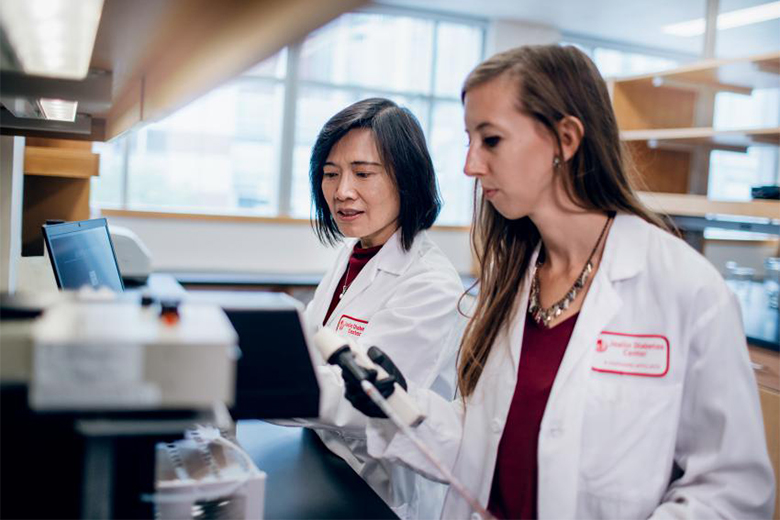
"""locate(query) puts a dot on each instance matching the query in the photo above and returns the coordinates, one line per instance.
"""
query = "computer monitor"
(82, 254)
(275, 376)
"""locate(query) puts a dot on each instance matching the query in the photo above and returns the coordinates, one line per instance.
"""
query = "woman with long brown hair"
(604, 372)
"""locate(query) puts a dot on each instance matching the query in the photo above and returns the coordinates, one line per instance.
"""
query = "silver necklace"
(543, 316)
(346, 285)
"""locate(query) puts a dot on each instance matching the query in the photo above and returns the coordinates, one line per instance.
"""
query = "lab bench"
(305, 479)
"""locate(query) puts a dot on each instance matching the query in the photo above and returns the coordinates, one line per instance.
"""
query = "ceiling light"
(58, 109)
(52, 37)
(738, 18)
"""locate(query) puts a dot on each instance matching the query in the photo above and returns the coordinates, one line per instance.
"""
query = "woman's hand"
(355, 394)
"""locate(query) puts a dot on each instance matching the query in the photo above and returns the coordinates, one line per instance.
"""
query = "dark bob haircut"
(401, 145)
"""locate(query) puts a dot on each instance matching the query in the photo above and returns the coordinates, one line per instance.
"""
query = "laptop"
(82, 254)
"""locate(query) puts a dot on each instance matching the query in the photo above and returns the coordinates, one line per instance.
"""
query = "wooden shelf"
(734, 74)
(737, 139)
(669, 99)
(60, 162)
(700, 206)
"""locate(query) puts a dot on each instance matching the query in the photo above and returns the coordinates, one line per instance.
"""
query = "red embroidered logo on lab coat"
(632, 354)
(351, 327)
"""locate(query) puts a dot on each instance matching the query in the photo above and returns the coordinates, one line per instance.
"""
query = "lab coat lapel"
(559, 434)
(335, 275)
(602, 300)
(517, 325)
(601, 304)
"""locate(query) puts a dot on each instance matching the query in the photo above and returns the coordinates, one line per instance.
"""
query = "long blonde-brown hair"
(552, 82)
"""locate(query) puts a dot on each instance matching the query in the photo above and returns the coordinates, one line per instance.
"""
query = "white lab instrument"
(133, 257)
(120, 355)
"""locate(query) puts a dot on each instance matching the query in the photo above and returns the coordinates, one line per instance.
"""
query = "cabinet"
(767, 367)
(665, 122)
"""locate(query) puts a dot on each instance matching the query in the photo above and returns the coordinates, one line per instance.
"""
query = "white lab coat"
(408, 301)
(608, 442)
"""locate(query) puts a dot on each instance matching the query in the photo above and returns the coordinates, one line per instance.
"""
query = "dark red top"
(514, 489)
(356, 263)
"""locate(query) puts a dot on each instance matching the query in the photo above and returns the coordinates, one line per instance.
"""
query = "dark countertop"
(207, 278)
(305, 479)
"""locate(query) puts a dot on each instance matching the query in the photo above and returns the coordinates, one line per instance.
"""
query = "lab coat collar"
(391, 258)
(625, 252)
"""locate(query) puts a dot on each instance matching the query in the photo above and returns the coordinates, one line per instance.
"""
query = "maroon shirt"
(357, 262)
(514, 490)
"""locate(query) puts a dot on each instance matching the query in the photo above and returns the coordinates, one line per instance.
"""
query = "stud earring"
(556, 162)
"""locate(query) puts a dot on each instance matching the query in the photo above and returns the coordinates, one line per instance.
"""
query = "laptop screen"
(82, 254)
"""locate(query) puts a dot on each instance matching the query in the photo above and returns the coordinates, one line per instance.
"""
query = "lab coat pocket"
(628, 440)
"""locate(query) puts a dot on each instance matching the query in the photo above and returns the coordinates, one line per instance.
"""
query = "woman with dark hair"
(373, 183)
(604, 372)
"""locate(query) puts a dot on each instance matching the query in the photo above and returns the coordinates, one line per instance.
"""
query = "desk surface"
(305, 479)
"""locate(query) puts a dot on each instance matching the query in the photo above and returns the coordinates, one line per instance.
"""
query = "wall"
(507, 34)
(11, 181)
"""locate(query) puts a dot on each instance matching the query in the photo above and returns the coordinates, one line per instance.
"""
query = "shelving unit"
(57, 175)
(658, 115)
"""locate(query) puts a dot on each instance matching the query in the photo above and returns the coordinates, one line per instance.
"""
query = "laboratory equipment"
(207, 475)
(98, 352)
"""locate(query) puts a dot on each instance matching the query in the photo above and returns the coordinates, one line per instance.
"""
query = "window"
(225, 153)
(613, 63)
(107, 190)
(216, 155)
(419, 63)
(733, 173)
(619, 60)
